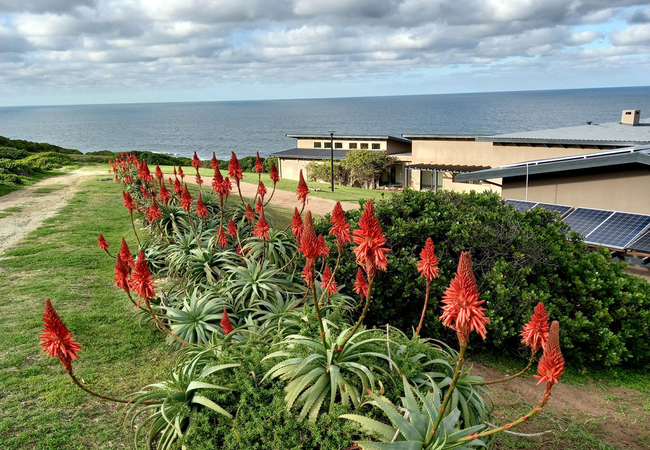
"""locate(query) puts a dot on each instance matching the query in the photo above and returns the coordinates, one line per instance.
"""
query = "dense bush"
(13, 171)
(519, 259)
(35, 147)
(13, 153)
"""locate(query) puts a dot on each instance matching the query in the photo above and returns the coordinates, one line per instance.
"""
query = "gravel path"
(24, 210)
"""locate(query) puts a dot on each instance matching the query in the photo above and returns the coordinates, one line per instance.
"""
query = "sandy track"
(36, 206)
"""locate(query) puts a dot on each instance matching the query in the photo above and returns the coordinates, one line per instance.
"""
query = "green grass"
(39, 406)
(9, 211)
(49, 188)
(341, 193)
(28, 181)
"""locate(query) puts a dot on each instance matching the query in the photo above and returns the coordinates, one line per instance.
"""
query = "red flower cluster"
(296, 225)
(370, 240)
(311, 247)
(360, 284)
(222, 238)
(143, 171)
(551, 364)
(234, 168)
(275, 175)
(201, 210)
(232, 228)
(249, 214)
(259, 168)
(180, 172)
(141, 280)
(535, 332)
(164, 195)
(327, 281)
(340, 228)
(102, 243)
(56, 340)
(159, 173)
(122, 273)
(128, 202)
(186, 199)
(126, 256)
(214, 163)
(262, 228)
(178, 189)
(461, 305)
(303, 190)
(261, 190)
(428, 263)
(196, 162)
(198, 180)
(153, 212)
(225, 322)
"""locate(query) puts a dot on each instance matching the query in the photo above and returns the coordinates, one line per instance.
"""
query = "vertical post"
(332, 158)
(526, 182)
(435, 180)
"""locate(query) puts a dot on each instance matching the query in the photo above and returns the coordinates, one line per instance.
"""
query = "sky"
(131, 51)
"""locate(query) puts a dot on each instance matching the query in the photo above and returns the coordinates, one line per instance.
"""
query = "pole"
(332, 158)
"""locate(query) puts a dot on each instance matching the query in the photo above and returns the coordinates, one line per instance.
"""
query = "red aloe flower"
(261, 190)
(122, 272)
(328, 279)
(56, 340)
(178, 189)
(128, 202)
(232, 228)
(153, 212)
(323, 249)
(141, 280)
(259, 206)
(361, 285)
(217, 182)
(296, 225)
(169, 180)
(535, 332)
(126, 256)
(259, 168)
(309, 247)
(262, 228)
(249, 214)
(225, 322)
(180, 172)
(303, 189)
(143, 171)
(102, 243)
(196, 162)
(227, 187)
(551, 364)
(340, 228)
(159, 173)
(275, 175)
(234, 168)
(201, 210)
(214, 163)
(175, 171)
(370, 252)
(222, 238)
(461, 305)
(198, 180)
(428, 263)
(186, 199)
(164, 195)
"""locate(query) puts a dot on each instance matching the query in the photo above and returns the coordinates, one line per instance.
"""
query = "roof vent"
(631, 117)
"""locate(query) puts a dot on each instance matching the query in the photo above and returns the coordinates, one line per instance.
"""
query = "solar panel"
(561, 209)
(642, 244)
(520, 205)
(586, 220)
(619, 230)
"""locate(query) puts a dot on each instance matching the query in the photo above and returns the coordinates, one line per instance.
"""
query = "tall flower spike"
(360, 284)
(259, 206)
(126, 256)
(370, 251)
(262, 228)
(141, 280)
(234, 168)
(102, 243)
(198, 180)
(428, 263)
(232, 228)
(225, 322)
(328, 279)
(56, 340)
(159, 173)
(275, 175)
(178, 189)
(249, 214)
(309, 247)
(303, 189)
(535, 332)
(261, 190)
(296, 225)
(259, 168)
(201, 210)
(551, 364)
(186, 199)
(122, 272)
(340, 228)
(196, 162)
(153, 212)
(164, 195)
(128, 202)
(214, 163)
(222, 238)
(461, 308)
(180, 172)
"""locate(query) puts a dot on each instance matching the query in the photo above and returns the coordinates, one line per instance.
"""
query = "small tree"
(366, 166)
(322, 171)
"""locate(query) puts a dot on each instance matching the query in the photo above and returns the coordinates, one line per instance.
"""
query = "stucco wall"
(624, 190)
(290, 168)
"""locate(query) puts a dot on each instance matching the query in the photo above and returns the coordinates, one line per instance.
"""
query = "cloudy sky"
(106, 51)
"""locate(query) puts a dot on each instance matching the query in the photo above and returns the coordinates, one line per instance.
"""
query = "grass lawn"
(341, 193)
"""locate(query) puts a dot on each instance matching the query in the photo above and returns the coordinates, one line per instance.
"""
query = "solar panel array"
(611, 229)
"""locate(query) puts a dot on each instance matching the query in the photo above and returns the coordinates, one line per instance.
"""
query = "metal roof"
(349, 138)
(457, 168)
(429, 137)
(631, 155)
(612, 133)
(310, 153)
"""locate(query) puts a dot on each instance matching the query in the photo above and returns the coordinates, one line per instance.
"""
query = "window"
(364, 146)
(353, 145)
(328, 145)
(376, 146)
(317, 145)
(338, 145)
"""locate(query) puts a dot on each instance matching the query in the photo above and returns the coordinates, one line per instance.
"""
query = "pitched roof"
(349, 138)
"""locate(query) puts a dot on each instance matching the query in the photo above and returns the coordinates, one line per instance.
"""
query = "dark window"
(328, 145)
(376, 146)
(338, 145)
(317, 145)
(364, 146)
(353, 145)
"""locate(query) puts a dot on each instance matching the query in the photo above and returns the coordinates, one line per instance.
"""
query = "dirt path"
(24, 210)
(621, 413)
(285, 199)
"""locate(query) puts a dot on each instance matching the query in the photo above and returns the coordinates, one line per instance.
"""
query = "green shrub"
(12, 153)
(48, 161)
(519, 260)
(18, 167)
(35, 147)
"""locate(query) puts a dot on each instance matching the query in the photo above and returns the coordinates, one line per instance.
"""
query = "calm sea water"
(249, 126)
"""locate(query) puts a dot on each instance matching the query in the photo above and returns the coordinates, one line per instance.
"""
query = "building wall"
(393, 147)
(309, 143)
(290, 168)
(623, 190)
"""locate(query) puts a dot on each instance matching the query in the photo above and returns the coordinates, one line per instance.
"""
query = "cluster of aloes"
(338, 366)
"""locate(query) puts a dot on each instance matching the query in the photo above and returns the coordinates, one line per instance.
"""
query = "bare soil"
(28, 208)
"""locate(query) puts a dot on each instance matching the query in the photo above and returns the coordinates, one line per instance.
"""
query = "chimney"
(631, 117)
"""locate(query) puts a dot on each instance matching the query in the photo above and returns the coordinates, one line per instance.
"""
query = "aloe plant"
(196, 319)
(254, 281)
(279, 249)
(412, 426)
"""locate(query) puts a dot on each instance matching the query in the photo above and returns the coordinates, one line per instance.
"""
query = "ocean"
(249, 126)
